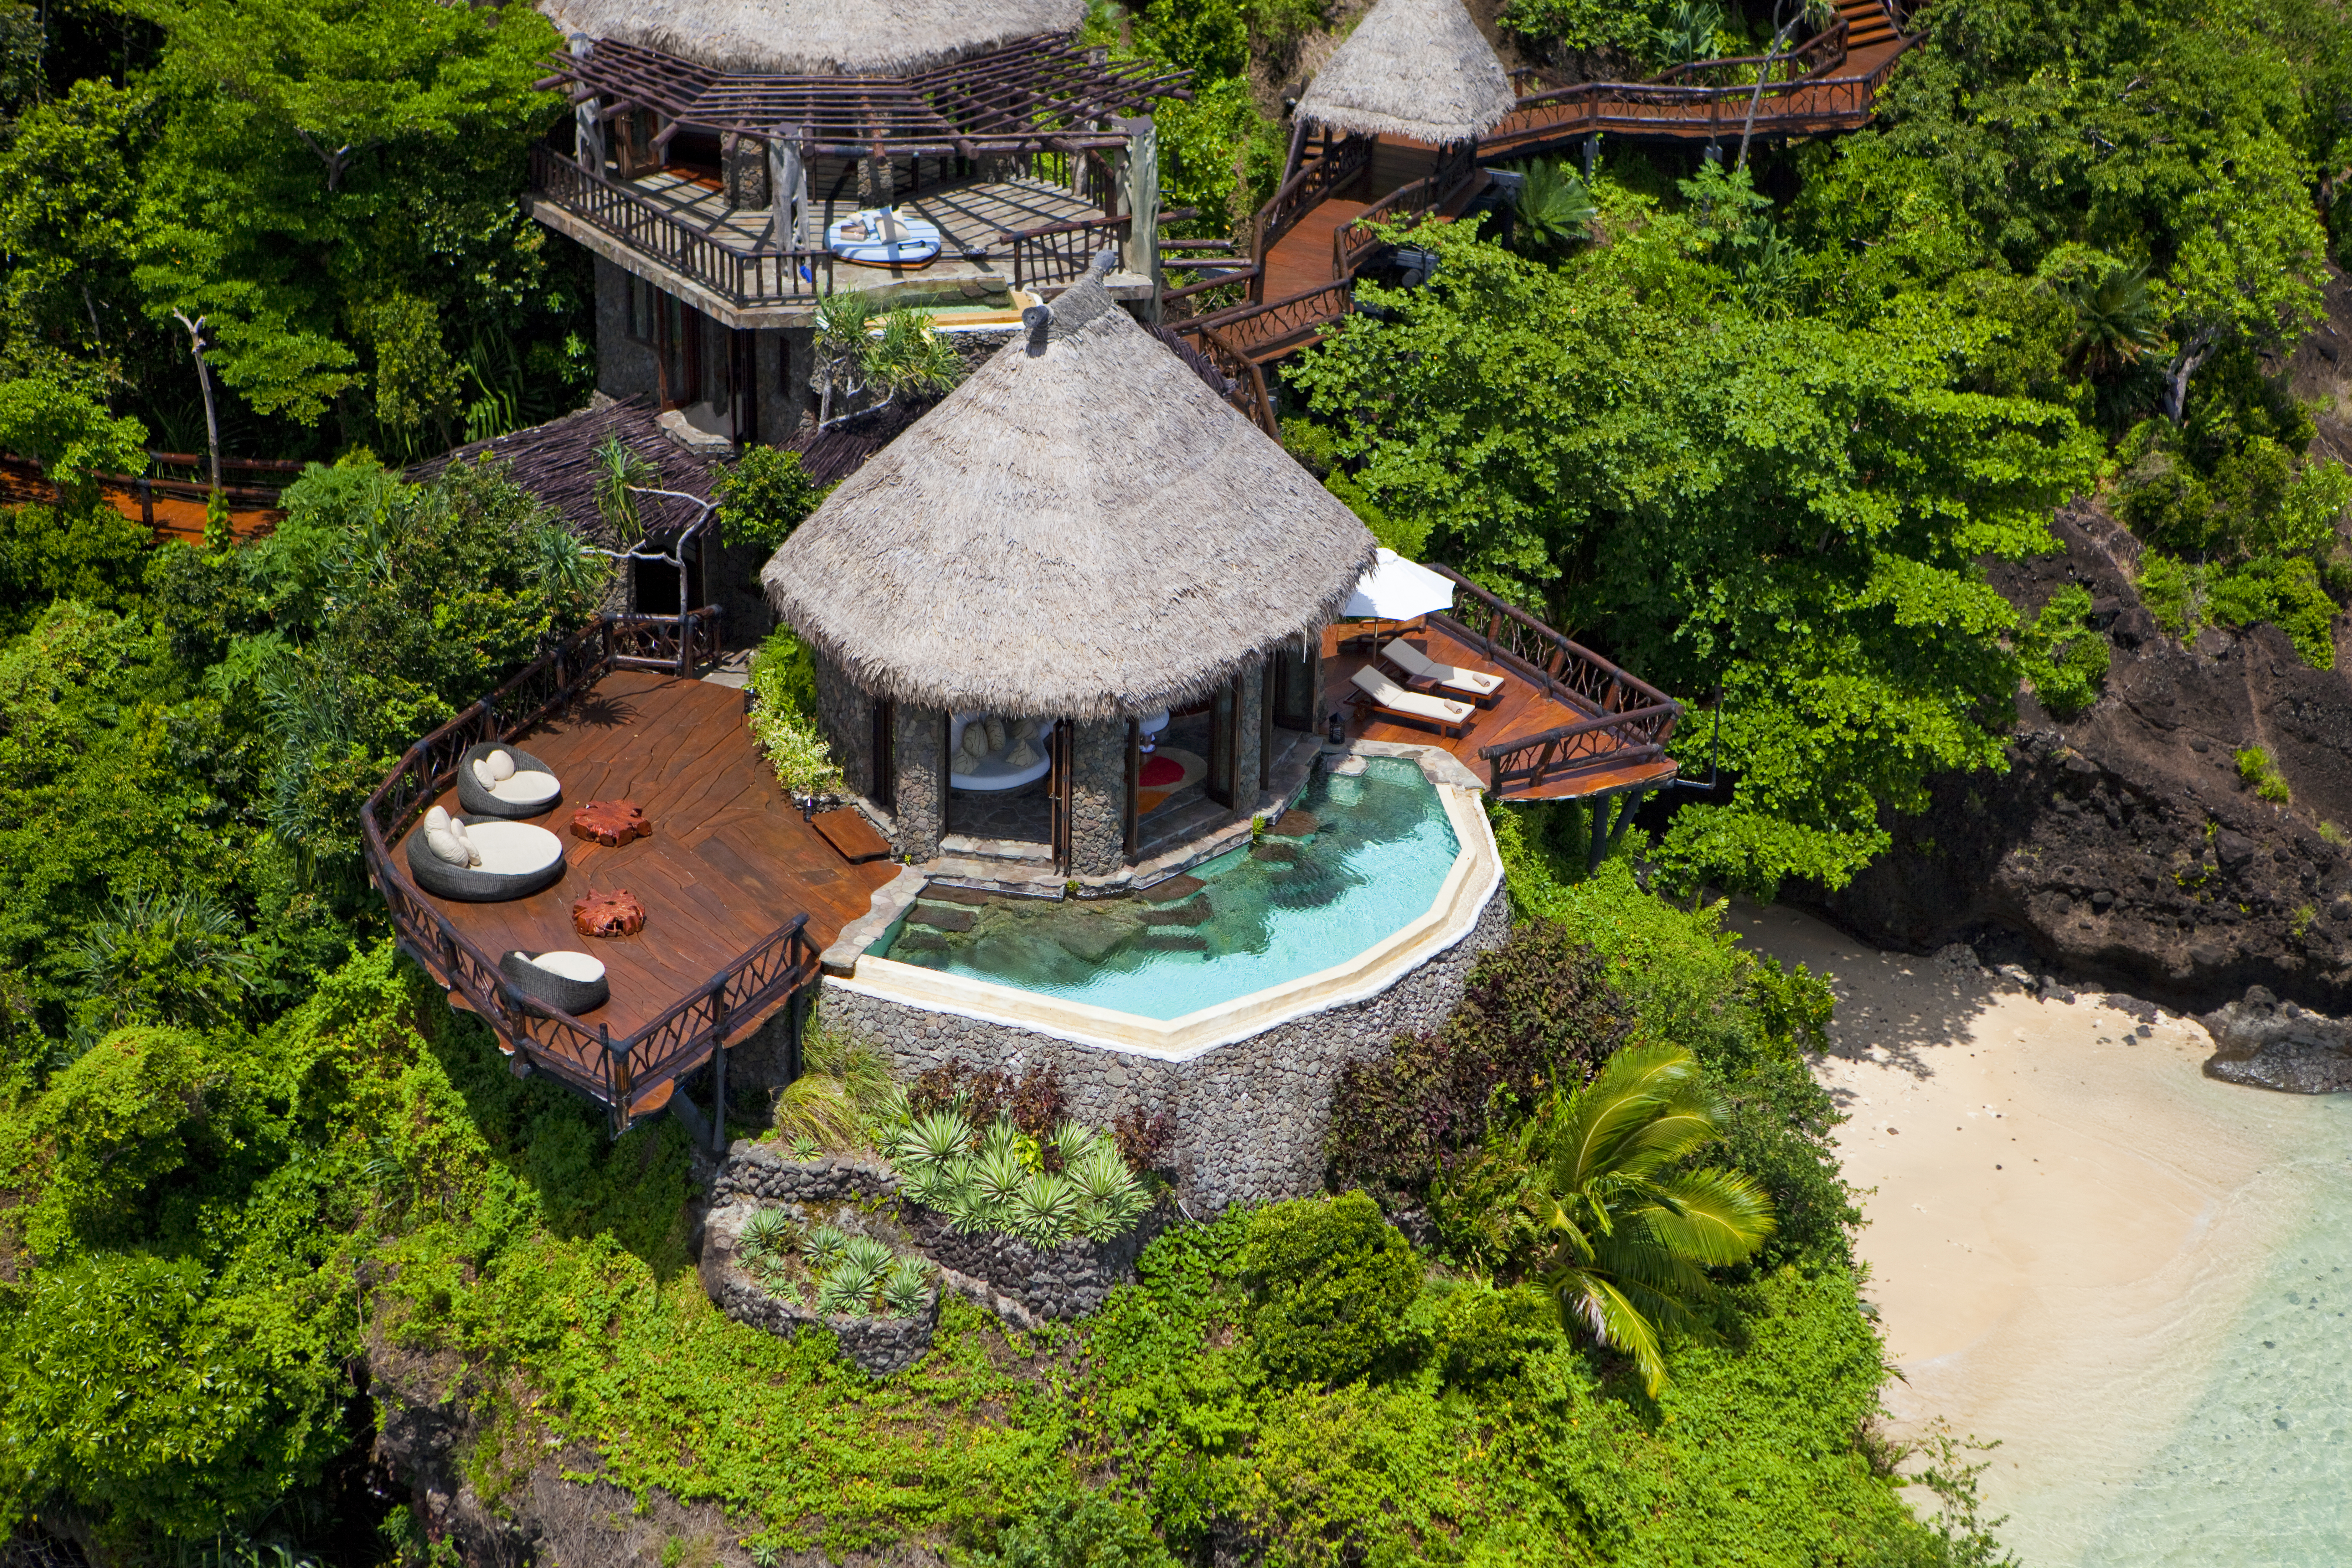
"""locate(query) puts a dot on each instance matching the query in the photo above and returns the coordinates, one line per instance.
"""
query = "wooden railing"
(1817, 100)
(1627, 719)
(1263, 332)
(1058, 253)
(1249, 392)
(1354, 240)
(618, 1074)
(1302, 192)
(761, 275)
(675, 643)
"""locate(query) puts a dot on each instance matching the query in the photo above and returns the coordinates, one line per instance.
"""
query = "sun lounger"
(1475, 685)
(1377, 691)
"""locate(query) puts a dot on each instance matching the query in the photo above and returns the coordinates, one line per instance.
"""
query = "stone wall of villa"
(922, 782)
(1249, 1115)
(844, 716)
(1099, 797)
(1248, 754)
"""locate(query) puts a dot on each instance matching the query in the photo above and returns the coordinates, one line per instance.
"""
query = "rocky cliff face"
(2121, 845)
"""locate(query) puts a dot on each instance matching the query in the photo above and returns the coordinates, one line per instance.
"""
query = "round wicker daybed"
(517, 860)
(530, 789)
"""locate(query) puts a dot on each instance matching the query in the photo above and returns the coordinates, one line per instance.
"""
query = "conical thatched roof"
(1417, 69)
(817, 38)
(1082, 528)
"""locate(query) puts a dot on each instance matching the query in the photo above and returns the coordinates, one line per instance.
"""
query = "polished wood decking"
(730, 859)
(1520, 711)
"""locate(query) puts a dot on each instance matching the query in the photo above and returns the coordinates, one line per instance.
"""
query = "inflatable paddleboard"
(864, 238)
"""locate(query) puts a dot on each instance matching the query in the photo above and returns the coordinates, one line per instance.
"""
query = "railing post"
(616, 1078)
(718, 1069)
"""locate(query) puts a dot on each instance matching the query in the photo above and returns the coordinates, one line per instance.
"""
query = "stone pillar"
(1252, 719)
(1099, 797)
(923, 782)
(625, 364)
(743, 169)
(844, 717)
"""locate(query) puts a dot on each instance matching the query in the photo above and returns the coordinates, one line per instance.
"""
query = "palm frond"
(1712, 1216)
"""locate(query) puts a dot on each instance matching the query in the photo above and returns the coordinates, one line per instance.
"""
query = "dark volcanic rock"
(2122, 845)
(2271, 1043)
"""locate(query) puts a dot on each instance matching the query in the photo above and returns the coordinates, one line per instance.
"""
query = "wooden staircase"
(1868, 23)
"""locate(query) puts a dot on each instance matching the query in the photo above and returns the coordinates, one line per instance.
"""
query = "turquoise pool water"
(1379, 851)
(2260, 1471)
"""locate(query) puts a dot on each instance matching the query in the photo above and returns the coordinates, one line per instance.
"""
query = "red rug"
(1160, 771)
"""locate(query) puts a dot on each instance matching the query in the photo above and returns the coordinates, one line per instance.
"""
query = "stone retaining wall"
(765, 1173)
(880, 1345)
(1249, 1116)
(1066, 1281)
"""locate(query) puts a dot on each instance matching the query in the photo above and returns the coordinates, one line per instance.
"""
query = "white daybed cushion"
(1411, 657)
(441, 837)
(1388, 694)
(528, 787)
(571, 965)
(515, 848)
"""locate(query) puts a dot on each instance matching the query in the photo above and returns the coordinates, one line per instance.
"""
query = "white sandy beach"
(2065, 1220)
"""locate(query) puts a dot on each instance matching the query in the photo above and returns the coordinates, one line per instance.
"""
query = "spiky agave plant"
(841, 1293)
(992, 1180)
(1044, 1211)
(767, 1232)
(937, 1137)
(903, 1291)
(870, 1258)
(1110, 1199)
(823, 1247)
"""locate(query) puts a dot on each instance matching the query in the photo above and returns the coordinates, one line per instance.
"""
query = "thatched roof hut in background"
(817, 38)
(1414, 68)
(1084, 529)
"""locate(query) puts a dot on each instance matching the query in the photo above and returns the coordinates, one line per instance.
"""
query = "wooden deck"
(728, 861)
(1521, 710)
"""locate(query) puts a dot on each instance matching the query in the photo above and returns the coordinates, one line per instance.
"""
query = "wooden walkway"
(1304, 281)
(1521, 710)
(729, 859)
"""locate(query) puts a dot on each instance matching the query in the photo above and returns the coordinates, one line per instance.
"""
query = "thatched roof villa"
(1083, 535)
(730, 165)
(1413, 68)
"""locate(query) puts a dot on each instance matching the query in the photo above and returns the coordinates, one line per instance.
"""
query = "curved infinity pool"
(1364, 854)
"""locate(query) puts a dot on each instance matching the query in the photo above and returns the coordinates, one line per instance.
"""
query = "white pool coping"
(1476, 872)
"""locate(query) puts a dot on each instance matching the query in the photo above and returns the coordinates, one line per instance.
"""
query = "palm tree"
(2115, 322)
(1632, 1235)
(1554, 207)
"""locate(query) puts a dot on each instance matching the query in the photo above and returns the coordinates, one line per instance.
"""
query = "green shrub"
(1081, 1530)
(1485, 1336)
(1535, 1009)
(1332, 1280)
(2065, 659)
(2256, 768)
(2285, 591)
(783, 717)
(764, 496)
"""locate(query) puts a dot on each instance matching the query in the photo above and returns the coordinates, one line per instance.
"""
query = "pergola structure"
(1044, 94)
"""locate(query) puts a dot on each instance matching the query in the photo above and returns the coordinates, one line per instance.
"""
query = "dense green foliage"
(331, 189)
(185, 742)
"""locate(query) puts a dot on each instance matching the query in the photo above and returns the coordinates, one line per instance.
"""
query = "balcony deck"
(675, 228)
(729, 859)
(1622, 754)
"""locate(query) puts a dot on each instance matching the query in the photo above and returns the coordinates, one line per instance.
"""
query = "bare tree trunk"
(203, 383)
(2193, 355)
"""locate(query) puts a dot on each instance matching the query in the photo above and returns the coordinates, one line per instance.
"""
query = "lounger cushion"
(528, 787)
(1023, 754)
(515, 848)
(571, 965)
(1407, 656)
(1388, 694)
(995, 733)
(440, 836)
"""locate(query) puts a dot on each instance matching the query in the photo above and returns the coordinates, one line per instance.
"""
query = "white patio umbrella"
(1396, 589)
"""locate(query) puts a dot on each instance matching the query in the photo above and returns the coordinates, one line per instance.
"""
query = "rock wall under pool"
(1249, 1115)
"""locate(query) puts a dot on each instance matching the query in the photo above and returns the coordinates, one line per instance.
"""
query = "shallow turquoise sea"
(2259, 1469)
